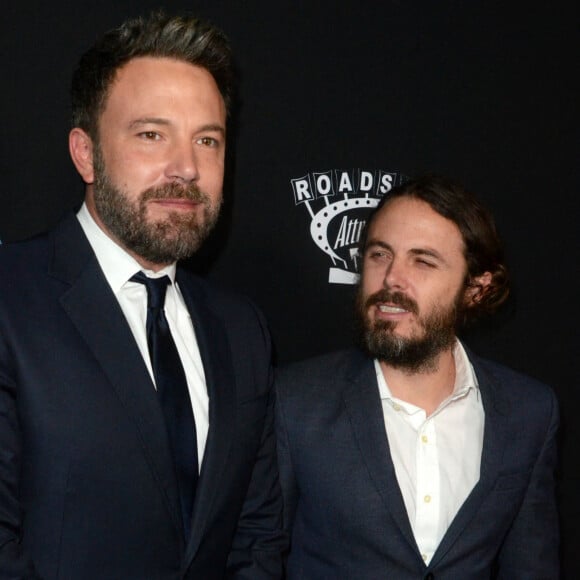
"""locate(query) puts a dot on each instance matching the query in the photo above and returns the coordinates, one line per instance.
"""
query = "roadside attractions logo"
(339, 202)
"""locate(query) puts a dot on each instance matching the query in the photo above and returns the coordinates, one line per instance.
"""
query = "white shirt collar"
(465, 379)
(117, 265)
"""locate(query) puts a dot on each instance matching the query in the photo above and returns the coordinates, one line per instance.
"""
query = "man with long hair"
(410, 457)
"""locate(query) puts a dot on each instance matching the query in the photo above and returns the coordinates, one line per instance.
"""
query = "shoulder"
(21, 254)
(517, 391)
(242, 320)
(222, 300)
(514, 381)
(321, 363)
(62, 247)
(23, 266)
(315, 376)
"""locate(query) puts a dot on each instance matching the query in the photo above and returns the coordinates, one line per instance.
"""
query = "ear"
(476, 288)
(81, 151)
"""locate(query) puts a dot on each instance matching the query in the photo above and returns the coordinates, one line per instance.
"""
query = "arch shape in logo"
(339, 202)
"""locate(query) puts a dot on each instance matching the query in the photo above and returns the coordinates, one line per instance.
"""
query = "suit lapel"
(94, 310)
(215, 353)
(363, 404)
(496, 410)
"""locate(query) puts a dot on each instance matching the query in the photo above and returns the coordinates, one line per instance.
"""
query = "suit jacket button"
(430, 576)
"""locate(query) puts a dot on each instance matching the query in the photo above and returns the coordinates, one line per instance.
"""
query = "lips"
(186, 203)
(392, 302)
(391, 309)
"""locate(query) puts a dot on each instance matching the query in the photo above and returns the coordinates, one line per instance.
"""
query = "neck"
(427, 388)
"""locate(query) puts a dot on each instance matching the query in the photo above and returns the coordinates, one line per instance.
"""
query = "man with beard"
(136, 418)
(411, 458)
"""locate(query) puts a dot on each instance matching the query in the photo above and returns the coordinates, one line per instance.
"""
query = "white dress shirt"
(436, 458)
(118, 267)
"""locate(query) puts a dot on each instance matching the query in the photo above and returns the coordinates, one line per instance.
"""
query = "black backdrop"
(480, 91)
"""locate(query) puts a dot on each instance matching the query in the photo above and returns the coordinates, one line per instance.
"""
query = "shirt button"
(424, 556)
(397, 407)
(424, 438)
(427, 499)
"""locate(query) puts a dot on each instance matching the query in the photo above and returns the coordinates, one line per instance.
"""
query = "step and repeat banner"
(337, 103)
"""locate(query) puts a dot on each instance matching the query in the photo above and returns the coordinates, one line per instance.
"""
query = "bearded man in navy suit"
(412, 458)
(136, 432)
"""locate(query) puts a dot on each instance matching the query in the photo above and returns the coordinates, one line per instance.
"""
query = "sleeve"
(260, 542)
(530, 549)
(13, 561)
(287, 478)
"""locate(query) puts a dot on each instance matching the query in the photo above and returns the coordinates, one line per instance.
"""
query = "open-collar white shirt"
(118, 267)
(437, 458)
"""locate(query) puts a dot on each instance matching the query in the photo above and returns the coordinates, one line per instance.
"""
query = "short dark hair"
(183, 38)
(483, 249)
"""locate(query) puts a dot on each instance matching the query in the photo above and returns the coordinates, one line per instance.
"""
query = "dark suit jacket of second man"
(344, 509)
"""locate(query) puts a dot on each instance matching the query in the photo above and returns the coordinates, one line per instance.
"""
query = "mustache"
(395, 298)
(189, 192)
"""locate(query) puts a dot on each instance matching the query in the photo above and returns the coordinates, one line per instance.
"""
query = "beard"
(416, 353)
(163, 241)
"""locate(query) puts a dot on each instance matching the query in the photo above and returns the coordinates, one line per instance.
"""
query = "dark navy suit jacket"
(87, 489)
(344, 508)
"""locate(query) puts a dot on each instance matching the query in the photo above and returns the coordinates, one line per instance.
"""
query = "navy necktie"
(172, 392)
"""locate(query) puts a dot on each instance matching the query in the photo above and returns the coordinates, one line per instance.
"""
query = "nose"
(395, 275)
(182, 165)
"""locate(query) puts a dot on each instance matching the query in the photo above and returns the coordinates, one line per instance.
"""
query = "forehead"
(410, 224)
(158, 81)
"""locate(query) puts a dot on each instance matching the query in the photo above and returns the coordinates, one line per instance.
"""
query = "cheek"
(371, 281)
(128, 162)
(212, 177)
(134, 176)
(451, 294)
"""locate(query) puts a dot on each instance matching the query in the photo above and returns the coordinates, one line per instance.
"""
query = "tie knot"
(156, 288)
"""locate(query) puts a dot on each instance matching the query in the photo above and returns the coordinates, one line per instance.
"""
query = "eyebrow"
(428, 252)
(414, 251)
(211, 127)
(148, 121)
(378, 243)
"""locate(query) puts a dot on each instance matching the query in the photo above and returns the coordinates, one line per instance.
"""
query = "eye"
(208, 142)
(426, 263)
(377, 254)
(149, 136)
